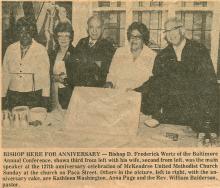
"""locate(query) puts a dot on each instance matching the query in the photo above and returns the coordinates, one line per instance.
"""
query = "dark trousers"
(184, 107)
(64, 95)
(30, 99)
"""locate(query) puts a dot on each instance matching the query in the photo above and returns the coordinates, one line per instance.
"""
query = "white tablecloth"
(54, 134)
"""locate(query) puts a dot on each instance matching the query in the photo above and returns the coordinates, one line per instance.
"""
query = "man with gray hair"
(183, 89)
(97, 53)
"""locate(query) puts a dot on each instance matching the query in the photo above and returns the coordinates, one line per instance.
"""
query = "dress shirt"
(28, 73)
(125, 73)
(92, 42)
(24, 50)
(178, 49)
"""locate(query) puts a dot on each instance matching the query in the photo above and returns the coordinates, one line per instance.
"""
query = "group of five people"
(178, 85)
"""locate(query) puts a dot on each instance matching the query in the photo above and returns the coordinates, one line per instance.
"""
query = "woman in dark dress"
(62, 61)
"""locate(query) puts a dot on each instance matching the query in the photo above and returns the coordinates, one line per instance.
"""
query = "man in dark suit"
(96, 55)
(183, 89)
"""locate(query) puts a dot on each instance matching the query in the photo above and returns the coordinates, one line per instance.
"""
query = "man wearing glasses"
(184, 83)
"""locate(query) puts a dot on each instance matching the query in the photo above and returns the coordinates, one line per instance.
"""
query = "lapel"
(67, 57)
(95, 46)
(86, 43)
(186, 51)
(29, 52)
(67, 54)
(17, 52)
(172, 54)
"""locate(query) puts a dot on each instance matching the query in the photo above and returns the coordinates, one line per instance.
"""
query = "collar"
(146, 49)
(178, 50)
(26, 47)
(181, 46)
(92, 41)
(70, 49)
(146, 52)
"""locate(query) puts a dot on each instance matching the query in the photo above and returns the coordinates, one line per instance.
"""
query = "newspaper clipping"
(114, 94)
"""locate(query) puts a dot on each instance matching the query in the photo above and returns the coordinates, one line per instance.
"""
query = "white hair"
(177, 21)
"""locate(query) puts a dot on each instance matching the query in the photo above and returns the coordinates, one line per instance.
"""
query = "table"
(54, 134)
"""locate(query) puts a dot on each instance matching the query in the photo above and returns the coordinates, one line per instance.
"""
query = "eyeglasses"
(63, 36)
(172, 29)
(136, 37)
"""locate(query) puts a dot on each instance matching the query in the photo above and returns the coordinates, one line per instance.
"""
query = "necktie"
(91, 43)
(24, 51)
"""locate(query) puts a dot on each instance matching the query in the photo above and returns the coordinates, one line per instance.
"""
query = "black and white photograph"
(110, 74)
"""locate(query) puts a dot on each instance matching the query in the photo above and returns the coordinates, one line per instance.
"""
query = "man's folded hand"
(108, 85)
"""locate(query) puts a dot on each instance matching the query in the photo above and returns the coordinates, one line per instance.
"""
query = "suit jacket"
(15, 69)
(94, 63)
(70, 59)
(186, 91)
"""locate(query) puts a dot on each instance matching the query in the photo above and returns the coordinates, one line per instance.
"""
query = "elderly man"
(26, 79)
(183, 89)
(96, 53)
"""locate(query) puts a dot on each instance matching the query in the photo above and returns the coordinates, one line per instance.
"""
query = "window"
(154, 22)
(197, 16)
(198, 25)
(200, 4)
(104, 3)
(114, 24)
(114, 20)
(194, 4)
(152, 14)
(148, 4)
(109, 4)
